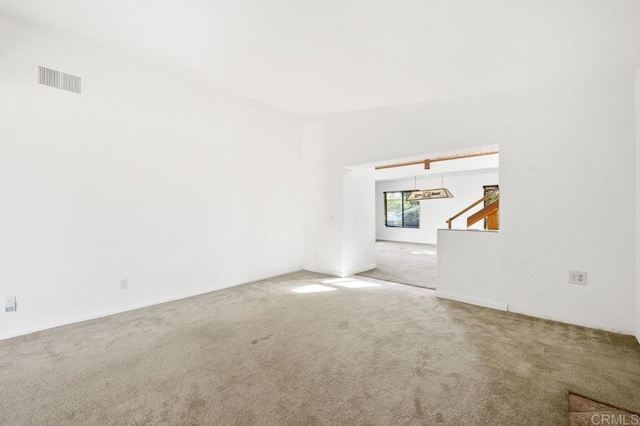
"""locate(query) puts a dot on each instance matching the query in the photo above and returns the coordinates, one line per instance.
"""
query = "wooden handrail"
(485, 212)
(486, 197)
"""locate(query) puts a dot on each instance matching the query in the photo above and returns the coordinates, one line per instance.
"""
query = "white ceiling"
(322, 56)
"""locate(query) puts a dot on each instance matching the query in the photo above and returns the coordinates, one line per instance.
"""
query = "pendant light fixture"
(429, 194)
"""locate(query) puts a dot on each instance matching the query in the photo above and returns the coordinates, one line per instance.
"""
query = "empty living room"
(196, 198)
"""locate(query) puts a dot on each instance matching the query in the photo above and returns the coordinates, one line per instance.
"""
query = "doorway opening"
(406, 225)
(413, 264)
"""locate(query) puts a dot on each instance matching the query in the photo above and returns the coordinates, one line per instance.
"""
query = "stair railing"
(486, 197)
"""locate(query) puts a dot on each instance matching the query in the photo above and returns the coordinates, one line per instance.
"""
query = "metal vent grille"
(59, 80)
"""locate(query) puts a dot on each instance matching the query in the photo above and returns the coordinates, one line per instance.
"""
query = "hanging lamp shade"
(429, 194)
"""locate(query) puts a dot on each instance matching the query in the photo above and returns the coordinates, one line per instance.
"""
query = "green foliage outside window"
(400, 213)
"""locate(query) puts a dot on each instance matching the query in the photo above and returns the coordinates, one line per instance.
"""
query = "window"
(400, 213)
(494, 223)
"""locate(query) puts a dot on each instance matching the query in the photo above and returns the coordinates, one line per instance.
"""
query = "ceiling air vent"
(59, 79)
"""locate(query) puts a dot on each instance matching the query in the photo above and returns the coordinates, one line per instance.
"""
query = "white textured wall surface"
(638, 204)
(359, 196)
(179, 188)
(469, 267)
(567, 169)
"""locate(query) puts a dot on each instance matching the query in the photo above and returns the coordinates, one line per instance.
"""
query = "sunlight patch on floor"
(351, 283)
(313, 288)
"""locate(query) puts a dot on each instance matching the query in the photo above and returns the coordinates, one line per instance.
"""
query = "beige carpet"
(405, 263)
(356, 355)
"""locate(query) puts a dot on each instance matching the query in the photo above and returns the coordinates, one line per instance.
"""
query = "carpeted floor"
(405, 263)
(584, 411)
(281, 352)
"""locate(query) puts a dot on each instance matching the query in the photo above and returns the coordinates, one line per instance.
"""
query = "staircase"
(491, 211)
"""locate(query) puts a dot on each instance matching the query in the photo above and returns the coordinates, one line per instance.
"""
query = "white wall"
(638, 204)
(359, 192)
(469, 268)
(466, 189)
(180, 188)
(567, 169)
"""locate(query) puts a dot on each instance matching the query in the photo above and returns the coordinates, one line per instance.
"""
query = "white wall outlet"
(578, 277)
(124, 284)
(10, 304)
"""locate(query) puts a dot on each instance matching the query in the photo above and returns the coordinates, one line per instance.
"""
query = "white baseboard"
(342, 274)
(324, 271)
(501, 306)
(108, 313)
(518, 310)
(356, 271)
(126, 309)
(523, 311)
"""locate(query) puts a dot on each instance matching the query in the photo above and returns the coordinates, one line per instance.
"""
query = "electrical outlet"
(578, 277)
(10, 304)
(124, 284)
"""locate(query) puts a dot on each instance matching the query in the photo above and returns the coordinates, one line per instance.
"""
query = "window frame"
(402, 226)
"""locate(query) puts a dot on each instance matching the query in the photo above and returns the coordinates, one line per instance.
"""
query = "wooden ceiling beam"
(427, 162)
